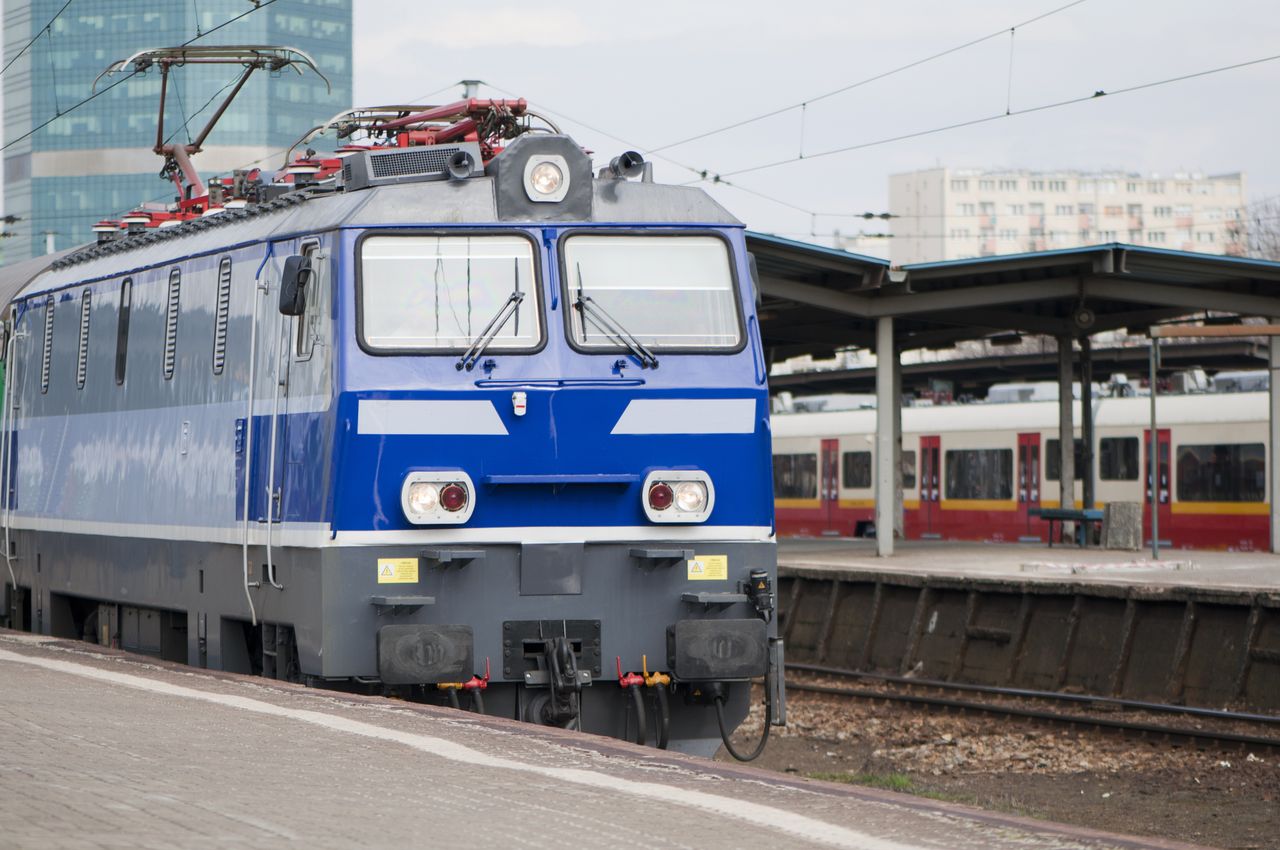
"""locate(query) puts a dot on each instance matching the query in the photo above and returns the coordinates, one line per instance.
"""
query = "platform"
(1232, 571)
(100, 749)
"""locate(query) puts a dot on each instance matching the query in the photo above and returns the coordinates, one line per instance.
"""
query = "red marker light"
(660, 496)
(453, 497)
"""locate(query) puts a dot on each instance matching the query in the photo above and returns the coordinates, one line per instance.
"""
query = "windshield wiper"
(504, 314)
(605, 322)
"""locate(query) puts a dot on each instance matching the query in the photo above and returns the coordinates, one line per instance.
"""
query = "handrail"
(6, 452)
(281, 353)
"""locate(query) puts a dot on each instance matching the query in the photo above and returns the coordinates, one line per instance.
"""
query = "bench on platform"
(1061, 515)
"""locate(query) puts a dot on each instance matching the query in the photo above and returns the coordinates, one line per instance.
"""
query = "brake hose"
(663, 734)
(477, 702)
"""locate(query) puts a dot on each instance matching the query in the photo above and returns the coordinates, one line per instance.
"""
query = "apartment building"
(958, 213)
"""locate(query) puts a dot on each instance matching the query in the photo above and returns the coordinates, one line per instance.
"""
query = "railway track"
(1215, 728)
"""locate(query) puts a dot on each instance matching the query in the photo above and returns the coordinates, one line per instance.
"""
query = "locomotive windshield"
(667, 292)
(437, 293)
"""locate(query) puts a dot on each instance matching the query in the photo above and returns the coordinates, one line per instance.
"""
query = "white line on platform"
(800, 826)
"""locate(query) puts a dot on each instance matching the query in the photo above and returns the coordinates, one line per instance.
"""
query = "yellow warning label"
(709, 568)
(397, 571)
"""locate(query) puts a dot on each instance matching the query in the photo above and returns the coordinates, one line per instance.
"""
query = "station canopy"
(816, 300)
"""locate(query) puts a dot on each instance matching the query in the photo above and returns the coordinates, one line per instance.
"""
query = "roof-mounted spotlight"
(626, 165)
(460, 166)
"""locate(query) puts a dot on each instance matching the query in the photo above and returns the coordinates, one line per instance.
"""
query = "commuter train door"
(1164, 493)
(1028, 486)
(930, 487)
(829, 487)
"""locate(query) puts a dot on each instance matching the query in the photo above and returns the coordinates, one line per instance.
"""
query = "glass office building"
(95, 161)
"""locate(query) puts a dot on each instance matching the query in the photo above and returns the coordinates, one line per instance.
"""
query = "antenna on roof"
(177, 157)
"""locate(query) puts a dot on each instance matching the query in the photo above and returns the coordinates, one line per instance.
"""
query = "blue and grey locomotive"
(445, 412)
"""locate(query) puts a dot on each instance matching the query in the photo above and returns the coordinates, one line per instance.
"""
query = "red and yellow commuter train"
(976, 472)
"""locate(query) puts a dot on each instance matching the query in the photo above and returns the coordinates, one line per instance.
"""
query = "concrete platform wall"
(1182, 645)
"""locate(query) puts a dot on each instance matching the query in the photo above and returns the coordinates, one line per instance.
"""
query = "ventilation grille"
(82, 357)
(424, 160)
(48, 345)
(346, 170)
(220, 323)
(171, 324)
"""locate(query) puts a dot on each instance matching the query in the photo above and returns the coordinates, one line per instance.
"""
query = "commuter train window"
(47, 354)
(82, 351)
(856, 472)
(317, 305)
(795, 476)
(122, 328)
(979, 473)
(440, 293)
(1118, 459)
(1053, 460)
(221, 316)
(1222, 472)
(667, 292)
(171, 323)
(908, 470)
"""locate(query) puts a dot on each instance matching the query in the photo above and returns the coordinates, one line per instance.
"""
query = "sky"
(645, 75)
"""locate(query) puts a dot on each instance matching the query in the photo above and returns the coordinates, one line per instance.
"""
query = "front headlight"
(691, 496)
(437, 497)
(678, 495)
(546, 177)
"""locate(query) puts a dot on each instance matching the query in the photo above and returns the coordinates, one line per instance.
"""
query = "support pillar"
(899, 528)
(886, 439)
(1066, 427)
(1273, 360)
(1088, 475)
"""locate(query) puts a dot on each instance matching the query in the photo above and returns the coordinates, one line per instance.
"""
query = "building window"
(1086, 186)
(221, 316)
(1113, 210)
(122, 329)
(1135, 235)
(986, 185)
(1057, 185)
(1064, 209)
(959, 233)
(1035, 185)
(856, 470)
(1118, 459)
(1224, 472)
(908, 470)
(959, 185)
(171, 323)
(1008, 234)
(987, 208)
(795, 476)
(966, 209)
(1134, 210)
(979, 474)
(1015, 209)
(1086, 209)
(1008, 185)
(1155, 187)
(82, 354)
(1107, 235)
(1205, 236)
(1162, 212)
(1131, 187)
(1155, 236)
(47, 352)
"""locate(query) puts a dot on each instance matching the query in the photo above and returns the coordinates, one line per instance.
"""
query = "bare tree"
(1262, 225)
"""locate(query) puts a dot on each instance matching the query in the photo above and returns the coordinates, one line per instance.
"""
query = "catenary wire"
(1097, 95)
(915, 64)
(44, 29)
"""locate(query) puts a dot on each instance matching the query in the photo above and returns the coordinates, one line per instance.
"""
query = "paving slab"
(1228, 571)
(100, 749)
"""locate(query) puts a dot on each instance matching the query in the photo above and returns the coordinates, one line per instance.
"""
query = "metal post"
(1153, 461)
(1066, 428)
(899, 528)
(885, 403)
(1273, 359)
(1087, 475)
